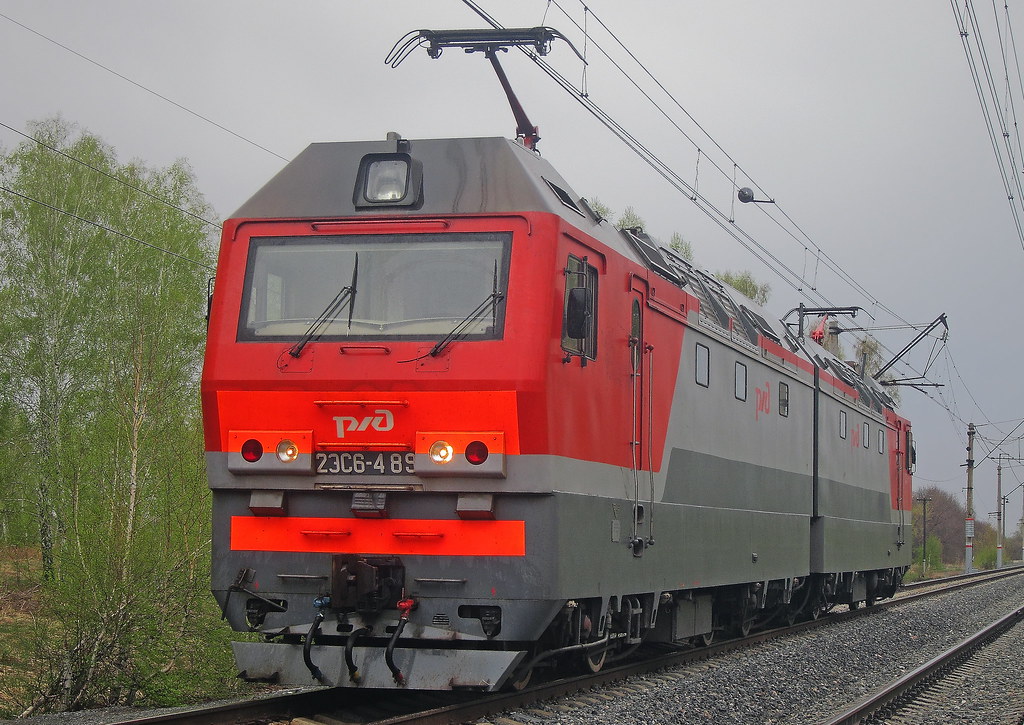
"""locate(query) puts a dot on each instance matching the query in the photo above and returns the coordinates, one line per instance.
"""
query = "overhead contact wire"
(835, 267)
(110, 176)
(143, 88)
(107, 229)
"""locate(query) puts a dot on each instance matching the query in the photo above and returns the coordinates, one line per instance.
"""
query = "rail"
(902, 688)
(423, 709)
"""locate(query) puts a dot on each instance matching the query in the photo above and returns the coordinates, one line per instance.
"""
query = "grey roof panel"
(460, 176)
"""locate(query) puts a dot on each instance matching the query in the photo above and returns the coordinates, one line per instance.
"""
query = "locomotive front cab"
(371, 368)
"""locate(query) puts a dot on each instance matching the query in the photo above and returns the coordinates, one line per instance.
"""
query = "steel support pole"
(999, 515)
(969, 523)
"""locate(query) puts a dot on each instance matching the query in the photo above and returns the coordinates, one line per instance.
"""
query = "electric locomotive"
(459, 429)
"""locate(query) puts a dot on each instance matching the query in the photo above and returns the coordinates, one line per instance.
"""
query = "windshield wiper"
(345, 296)
(490, 304)
(462, 328)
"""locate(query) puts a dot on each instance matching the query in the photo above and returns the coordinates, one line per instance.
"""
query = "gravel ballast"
(801, 678)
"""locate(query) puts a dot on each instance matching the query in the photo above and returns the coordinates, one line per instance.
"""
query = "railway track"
(940, 691)
(344, 705)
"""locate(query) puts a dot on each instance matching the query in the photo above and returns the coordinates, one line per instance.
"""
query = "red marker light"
(476, 452)
(252, 450)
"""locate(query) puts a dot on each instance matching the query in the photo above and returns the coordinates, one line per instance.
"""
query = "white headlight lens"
(386, 180)
(441, 452)
(287, 451)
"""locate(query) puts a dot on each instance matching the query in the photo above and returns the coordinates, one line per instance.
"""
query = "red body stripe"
(430, 537)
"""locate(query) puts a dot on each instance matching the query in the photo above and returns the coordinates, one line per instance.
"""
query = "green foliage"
(629, 219)
(985, 557)
(744, 281)
(868, 352)
(100, 377)
(17, 519)
(934, 559)
(601, 209)
(681, 246)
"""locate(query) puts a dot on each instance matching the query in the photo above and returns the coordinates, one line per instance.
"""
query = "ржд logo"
(381, 419)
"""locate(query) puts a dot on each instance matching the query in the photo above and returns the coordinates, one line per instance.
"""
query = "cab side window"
(579, 312)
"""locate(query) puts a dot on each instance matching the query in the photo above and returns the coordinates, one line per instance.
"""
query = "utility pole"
(999, 513)
(969, 523)
(924, 543)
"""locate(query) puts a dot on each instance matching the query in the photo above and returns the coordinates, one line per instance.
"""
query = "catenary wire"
(140, 86)
(110, 176)
(963, 20)
(820, 253)
(1005, 46)
(107, 229)
(726, 223)
(765, 209)
(993, 90)
(719, 217)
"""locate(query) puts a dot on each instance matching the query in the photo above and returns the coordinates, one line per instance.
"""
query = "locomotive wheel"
(744, 626)
(743, 615)
(704, 640)
(854, 605)
(594, 662)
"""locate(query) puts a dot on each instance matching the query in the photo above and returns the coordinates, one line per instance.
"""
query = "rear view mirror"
(579, 312)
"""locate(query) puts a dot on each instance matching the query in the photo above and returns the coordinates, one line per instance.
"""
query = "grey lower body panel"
(423, 669)
(839, 545)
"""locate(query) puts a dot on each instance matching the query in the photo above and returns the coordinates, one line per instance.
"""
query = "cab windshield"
(408, 286)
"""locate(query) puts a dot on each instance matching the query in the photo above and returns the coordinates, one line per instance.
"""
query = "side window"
(784, 400)
(866, 435)
(741, 381)
(911, 453)
(842, 424)
(881, 440)
(579, 316)
(703, 365)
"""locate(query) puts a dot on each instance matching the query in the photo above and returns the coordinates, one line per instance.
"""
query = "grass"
(30, 645)
(19, 602)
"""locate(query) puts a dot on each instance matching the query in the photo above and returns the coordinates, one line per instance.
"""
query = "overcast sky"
(860, 119)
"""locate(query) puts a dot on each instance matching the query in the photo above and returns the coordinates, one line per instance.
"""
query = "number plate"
(364, 463)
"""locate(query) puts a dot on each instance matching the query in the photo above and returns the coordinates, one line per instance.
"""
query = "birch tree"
(103, 270)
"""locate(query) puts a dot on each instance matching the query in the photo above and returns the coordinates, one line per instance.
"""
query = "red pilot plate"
(430, 537)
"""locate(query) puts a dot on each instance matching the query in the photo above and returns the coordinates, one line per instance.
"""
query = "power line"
(765, 209)
(820, 254)
(1012, 182)
(110, 176)
(107, 229)
(718, 216)
(144, 88)
(977, 62)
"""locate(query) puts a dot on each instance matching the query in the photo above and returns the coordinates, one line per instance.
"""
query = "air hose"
(405, 606)
(353, 671)
(307, 646)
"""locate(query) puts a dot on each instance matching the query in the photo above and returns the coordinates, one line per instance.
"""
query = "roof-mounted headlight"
(388, 180)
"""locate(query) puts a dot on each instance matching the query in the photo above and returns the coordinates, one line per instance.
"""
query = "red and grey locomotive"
(459, 428)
